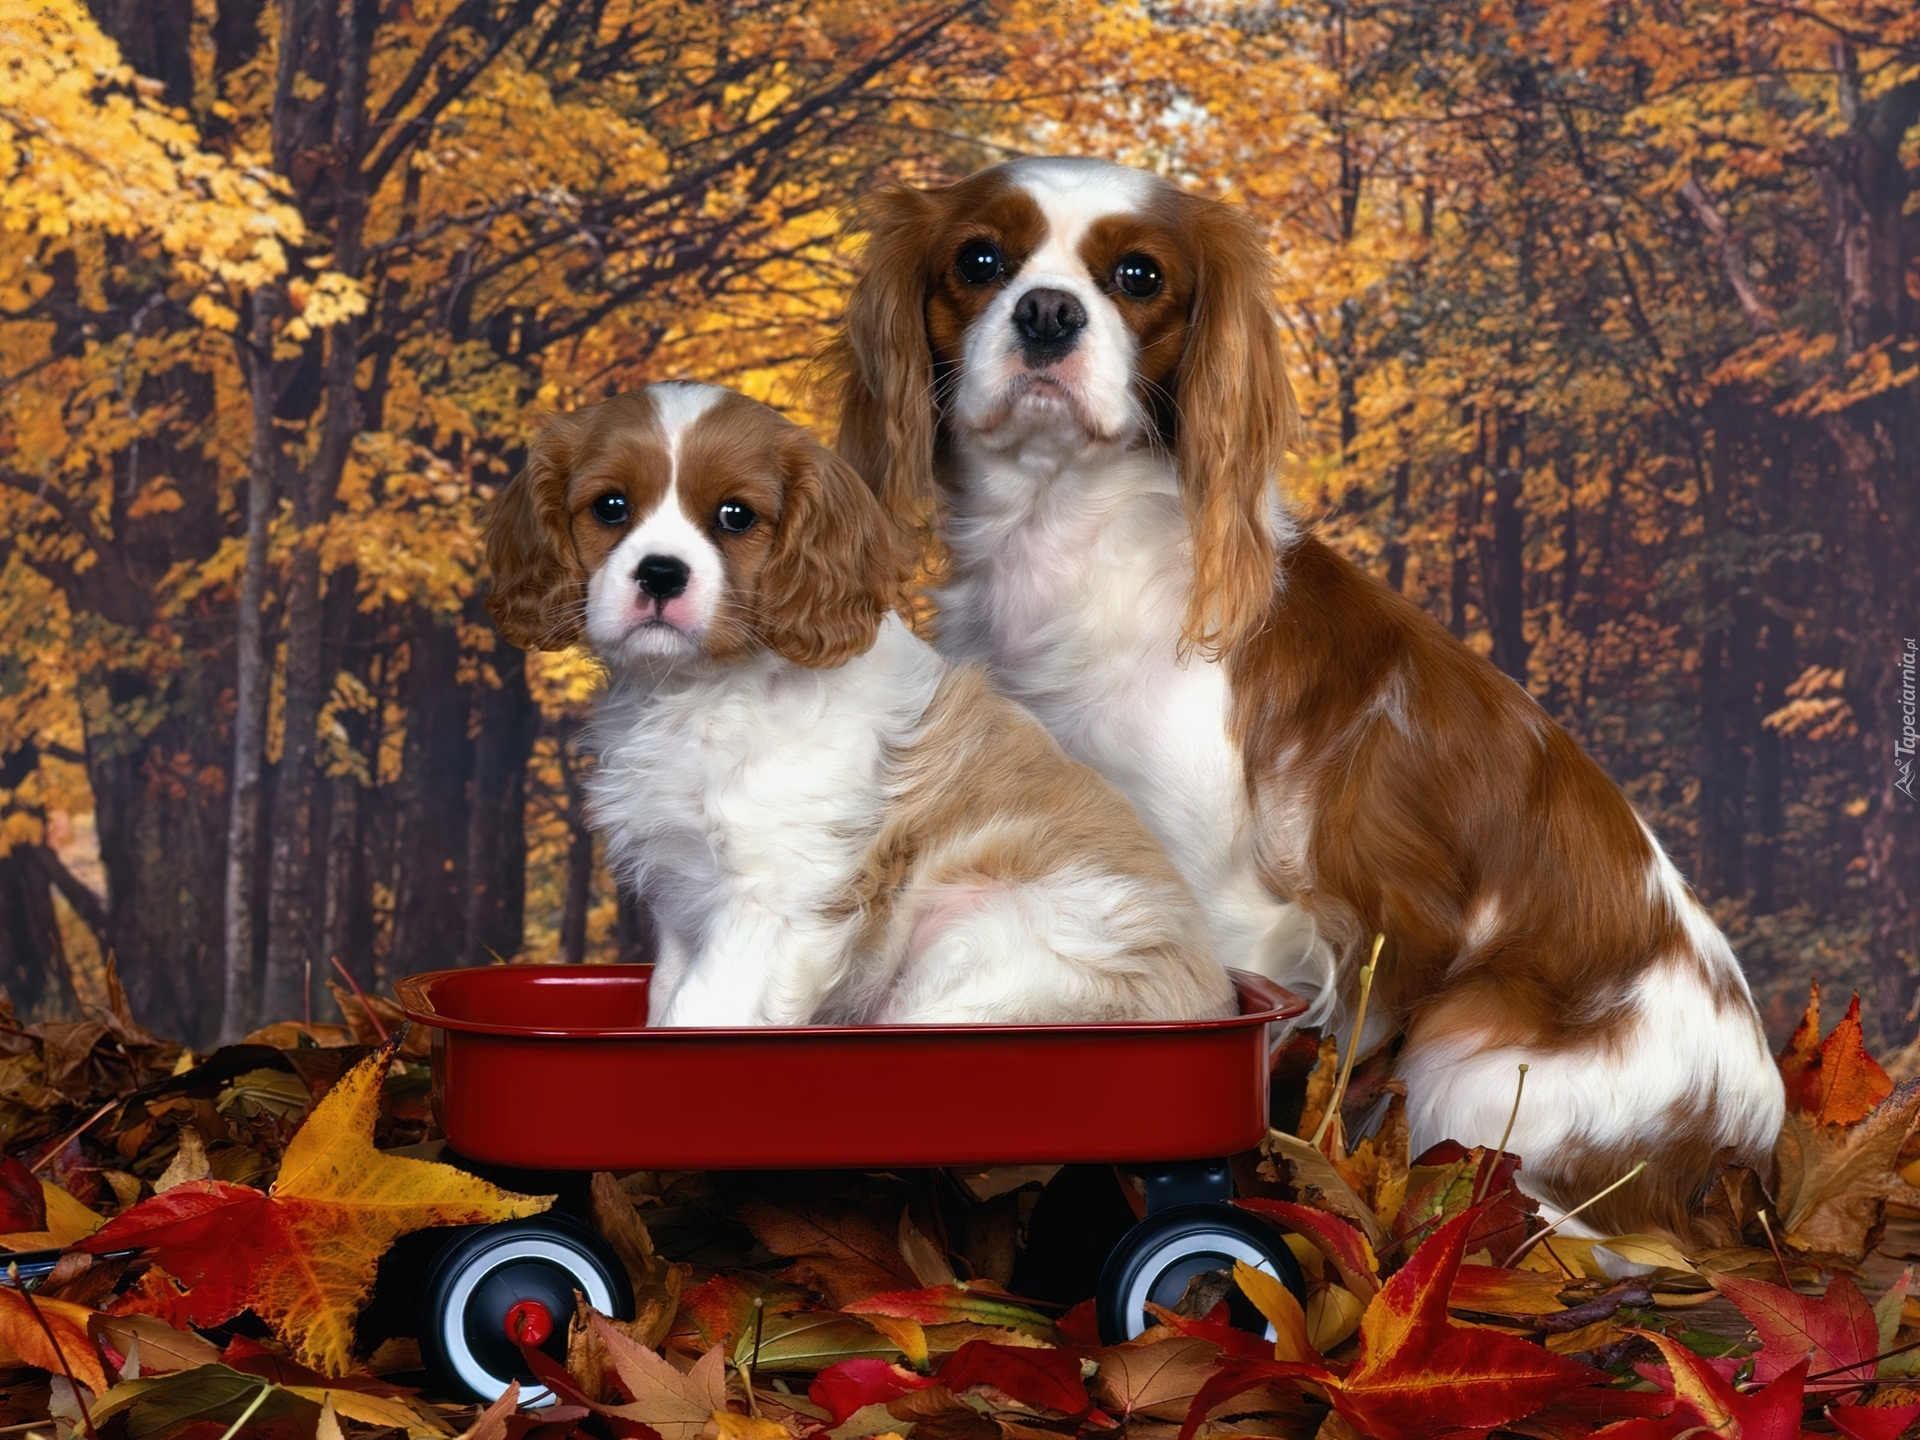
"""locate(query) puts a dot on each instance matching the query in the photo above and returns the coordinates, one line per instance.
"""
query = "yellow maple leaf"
(303, 1255)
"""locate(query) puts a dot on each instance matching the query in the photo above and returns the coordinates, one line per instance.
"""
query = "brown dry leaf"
(923, 1257)
(163, 1349)
(678, 1406)
(1322, 1186)
(189, 1162)
(656, 1281)
(1155, 1381)
(844, 1255)
(491, 1423)
(1834, 1180)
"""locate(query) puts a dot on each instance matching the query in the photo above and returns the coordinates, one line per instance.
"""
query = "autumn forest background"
(1603, 313)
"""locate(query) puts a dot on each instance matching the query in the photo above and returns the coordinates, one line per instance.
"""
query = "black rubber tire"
(483, 1273)
(1161, 1254)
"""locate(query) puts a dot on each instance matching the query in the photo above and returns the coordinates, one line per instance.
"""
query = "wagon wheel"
(498, 1284)
(1165, 1252)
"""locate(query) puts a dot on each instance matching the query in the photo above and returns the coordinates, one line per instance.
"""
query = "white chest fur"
(1070, 588)
(740, 801)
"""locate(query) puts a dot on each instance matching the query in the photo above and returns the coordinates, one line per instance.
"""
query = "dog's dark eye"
(980, 262)
(734, 518)
(610, 509)
(1138, 276)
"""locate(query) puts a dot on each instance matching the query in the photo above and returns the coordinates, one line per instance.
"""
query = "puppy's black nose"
(661, 576)
(1049, 321)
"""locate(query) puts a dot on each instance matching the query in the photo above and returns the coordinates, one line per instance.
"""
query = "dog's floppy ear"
(539, 593)
(1237, 420)
(835, 568)
(885, 360)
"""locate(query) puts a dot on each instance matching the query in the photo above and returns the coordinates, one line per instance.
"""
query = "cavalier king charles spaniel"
(832, 824)
(1076, 369)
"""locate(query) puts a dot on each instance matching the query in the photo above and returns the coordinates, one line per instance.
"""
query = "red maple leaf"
(1707, 1402)
(1836, 1332)
(1858, 1422)
(1340, 1242)
(1419, 1374)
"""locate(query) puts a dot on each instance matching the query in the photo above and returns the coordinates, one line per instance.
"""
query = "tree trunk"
(319, 35)
(497, 823)
(251, 683)
(1879, 439)
(1504, 557)
(430, 849)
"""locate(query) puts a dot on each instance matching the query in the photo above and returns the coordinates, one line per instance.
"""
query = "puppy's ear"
(539, 592)
(1237, 420)
(885, 360)
(835, 568)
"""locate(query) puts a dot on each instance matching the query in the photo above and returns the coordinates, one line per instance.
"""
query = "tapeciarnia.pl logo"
(1903, 748)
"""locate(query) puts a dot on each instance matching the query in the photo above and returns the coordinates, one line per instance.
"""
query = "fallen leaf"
(1836, 1082)
(1343, 1244)
(214, 1395)
(1770, 1414)
(491, 1423)
(676, 1405)
(1313, 1174)
(1858, 1422)
(923, 1257)
(656, 1282)
(1836, 1331)
(1834, 1180)
(850, 1385)
(336, 1208)
(163, 1348)
(25, 1334)
(189, 1162)
(975, 1303)
(1152, 1381)
(1281, 1309)
(1418, 1373)
(846, 1256)
(725, 1425)
(22, 1206)
(1492, 1290)
(1044, 1379)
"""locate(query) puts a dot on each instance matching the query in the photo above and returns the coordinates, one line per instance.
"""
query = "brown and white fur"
(1320, 758)
(831, 823)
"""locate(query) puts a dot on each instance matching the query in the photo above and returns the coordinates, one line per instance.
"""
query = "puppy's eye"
(734, 518)
(979, 262)
(1137, 276)
(610, 509)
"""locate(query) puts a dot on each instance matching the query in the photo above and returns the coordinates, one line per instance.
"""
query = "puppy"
(833, 825)
(1077, 367)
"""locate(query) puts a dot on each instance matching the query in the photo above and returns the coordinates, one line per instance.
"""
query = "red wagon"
(516, 1046)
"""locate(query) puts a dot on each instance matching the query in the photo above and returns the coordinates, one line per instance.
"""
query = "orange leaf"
(1848, 1082)
(22, 1333)
(303, 1256)
(1802, 1054)
(1834, 1081)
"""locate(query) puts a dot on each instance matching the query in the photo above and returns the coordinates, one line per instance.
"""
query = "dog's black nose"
(662, 576)
(1049, 321)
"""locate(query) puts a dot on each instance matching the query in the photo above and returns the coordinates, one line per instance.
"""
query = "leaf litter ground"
(267, 1188)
